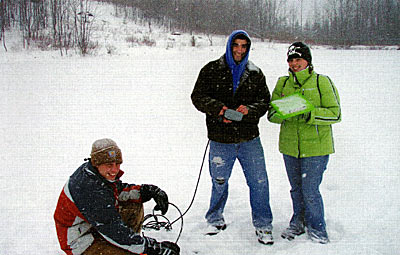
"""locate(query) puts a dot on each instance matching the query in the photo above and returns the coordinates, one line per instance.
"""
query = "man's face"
(297, 64)
(109, 170)
(239, 49)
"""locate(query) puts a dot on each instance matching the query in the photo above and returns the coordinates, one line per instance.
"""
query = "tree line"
(336, 22)
(69, 22)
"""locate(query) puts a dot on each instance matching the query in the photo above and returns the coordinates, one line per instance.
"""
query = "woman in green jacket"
(306, 141)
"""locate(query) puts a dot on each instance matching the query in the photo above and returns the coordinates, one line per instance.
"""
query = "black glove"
(149, 191)
(152, 247)
(169, 248)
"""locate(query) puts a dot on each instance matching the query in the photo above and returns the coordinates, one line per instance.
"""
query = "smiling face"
(109, 170)
(297, 64)
(239, 49)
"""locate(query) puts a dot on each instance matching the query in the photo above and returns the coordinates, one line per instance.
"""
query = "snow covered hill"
(54, 107)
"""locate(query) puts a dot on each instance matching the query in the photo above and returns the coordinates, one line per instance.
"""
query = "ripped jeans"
(251, 157)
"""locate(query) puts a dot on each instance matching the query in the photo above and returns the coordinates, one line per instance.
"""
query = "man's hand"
(152, 247)
(221, 113)
(243, 109)
(169, 248)
(149, 191)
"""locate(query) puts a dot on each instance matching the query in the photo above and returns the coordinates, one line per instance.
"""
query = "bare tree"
(83, 20)
(338, 22)
(33, 18)
(362, 21)
(2, 24)
(62, 24)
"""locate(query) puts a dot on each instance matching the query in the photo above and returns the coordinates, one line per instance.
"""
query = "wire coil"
(164, 223)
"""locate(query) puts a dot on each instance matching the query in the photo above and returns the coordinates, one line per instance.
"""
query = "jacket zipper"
(298, 139)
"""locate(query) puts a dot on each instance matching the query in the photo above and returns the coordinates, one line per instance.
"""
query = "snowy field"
(54, 107)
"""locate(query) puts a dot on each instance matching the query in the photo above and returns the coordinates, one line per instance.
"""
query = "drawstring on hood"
(236, 68)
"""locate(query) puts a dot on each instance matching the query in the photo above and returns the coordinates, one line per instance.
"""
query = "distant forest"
(340, 23)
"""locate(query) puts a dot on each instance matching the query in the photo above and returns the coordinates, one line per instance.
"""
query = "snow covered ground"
(54, 107)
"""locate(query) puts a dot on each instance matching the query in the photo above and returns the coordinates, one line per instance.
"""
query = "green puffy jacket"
(309, 134)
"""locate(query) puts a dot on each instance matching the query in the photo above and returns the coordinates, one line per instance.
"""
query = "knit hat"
(105, 151)
(299, 50)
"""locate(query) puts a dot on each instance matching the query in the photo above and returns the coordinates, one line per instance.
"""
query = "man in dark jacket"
(98, 214)
(233, 94)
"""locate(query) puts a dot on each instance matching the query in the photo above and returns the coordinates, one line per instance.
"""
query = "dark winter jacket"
(214, 89)
(89, 203)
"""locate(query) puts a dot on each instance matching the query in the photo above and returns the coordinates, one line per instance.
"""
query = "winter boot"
(318, 237)
(213, 230)
(291, 232)
(264, 237)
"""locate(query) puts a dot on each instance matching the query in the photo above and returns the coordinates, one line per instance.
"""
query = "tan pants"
(132, 214)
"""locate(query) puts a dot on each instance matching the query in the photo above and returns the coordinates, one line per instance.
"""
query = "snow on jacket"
(310, 134)
(88, 203)
(214, 89)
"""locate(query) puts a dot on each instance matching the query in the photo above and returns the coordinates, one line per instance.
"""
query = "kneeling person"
(96, 213)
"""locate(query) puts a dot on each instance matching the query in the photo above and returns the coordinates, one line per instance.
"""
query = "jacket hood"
(229, 57)
(236, 68)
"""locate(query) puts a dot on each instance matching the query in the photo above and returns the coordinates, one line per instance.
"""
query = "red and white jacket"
(88, 203)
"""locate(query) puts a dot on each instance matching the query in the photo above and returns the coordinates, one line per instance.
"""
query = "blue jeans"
(251, 157)
(305, 176)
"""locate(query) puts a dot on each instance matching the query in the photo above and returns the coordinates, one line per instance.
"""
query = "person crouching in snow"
(96, 213)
